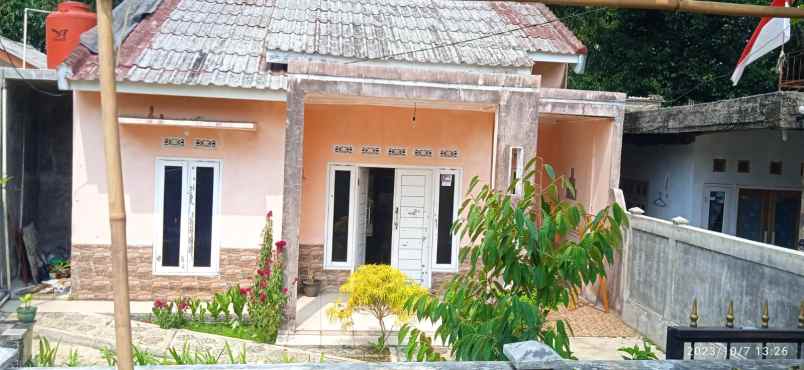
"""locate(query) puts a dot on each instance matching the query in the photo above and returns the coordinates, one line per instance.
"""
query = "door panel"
(411, 231)
(362, 215)
(769, 216)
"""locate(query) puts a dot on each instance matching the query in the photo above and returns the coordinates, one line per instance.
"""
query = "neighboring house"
(324, 113)
(733, 166)
(12, 53)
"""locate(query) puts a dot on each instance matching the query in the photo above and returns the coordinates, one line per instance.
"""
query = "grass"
(247, 332)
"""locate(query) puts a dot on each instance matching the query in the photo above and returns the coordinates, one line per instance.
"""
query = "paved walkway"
(88, 326)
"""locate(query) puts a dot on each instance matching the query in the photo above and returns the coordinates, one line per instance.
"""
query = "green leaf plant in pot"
(26, 312)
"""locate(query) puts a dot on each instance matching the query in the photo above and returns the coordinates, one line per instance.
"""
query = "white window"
(447, 202)
(515, 168)
(340, 217)
(186, 209)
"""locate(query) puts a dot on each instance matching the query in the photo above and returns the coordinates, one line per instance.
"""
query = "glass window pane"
(340, 216)
(204, 188)
(446, 206)
(717, 200)
(171, 216)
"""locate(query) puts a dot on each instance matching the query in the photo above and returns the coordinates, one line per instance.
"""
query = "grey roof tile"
(225, 42)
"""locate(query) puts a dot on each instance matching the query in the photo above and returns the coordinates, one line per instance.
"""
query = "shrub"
(379, 290)
(223, 302)
(268, 296)
(164, 315)
(238, 296)
(526, 256)
(46, 357)
(214, 310)
(636, 353)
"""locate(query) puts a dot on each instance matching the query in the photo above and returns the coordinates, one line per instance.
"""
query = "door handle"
(396, 218)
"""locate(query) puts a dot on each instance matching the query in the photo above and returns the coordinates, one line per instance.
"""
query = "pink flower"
(263, 284)
(245, 291)
(159, 304)
(280, 245)
(182, 306)
(269, 215)
(285, 291)
(265, 272)
(263, 297)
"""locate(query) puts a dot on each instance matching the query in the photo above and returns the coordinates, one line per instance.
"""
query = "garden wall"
(669, 265)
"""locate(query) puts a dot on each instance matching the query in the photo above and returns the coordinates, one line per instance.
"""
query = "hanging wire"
(31, 85)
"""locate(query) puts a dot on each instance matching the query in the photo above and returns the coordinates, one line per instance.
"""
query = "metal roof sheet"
(227, 42)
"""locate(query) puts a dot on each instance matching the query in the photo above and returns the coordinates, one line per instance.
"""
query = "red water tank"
(64, 28)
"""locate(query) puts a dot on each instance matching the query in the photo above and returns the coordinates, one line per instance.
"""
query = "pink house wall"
(326, 125)
(251, 170)
(585, 145)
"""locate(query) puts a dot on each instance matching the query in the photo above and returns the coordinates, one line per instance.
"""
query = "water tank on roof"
(64, 28)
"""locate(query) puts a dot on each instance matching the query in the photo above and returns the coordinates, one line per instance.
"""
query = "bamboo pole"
(114, 179)
(688, 6)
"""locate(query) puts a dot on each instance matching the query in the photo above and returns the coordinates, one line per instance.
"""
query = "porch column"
(292, 192)
(517, 125)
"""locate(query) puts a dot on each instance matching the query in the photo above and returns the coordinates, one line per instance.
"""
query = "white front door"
(412, 223)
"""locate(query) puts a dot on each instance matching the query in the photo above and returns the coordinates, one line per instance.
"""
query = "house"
(358, 124)
(733, 166)
(12, 54)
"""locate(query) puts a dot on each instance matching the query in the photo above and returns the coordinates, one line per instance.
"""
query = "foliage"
(197, 310)
(143, 358)
(379, 290)
(222, 300)
(636, 353)
(109, 355)
(245, 331)
(681, 56)
(268, 296)
(524, 260)
(214, 309)
(46, 357)
(238, 297)
(166, 317)
(60, 268)
(4, 180)
(26, 299)
(72, 359)
(186, 357)
(239, 358)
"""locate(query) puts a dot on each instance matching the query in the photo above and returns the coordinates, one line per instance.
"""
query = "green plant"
(268, 296)
(636, 353)
(109, 355)
(379, 290)
(223, 301)
(196, 307)
(526, 256)
(166, 317)
(72, 358)
(25, 300)
(46, 357)
(286, 358)
(239, 297)
(239, 358)
(198, 357)
(143, 358)
(214, 310)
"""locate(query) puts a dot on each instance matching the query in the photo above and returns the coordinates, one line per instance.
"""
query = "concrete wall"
(667, 266)
(681, 172)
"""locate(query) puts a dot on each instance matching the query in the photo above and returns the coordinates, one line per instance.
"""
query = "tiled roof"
(34, 58)
(226, 42)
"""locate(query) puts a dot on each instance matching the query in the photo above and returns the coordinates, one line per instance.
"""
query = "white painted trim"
(183, 90)
(557, 58)
(433, 85)
(518, 171)
(220, 125)
(456, 205)
(328, 263)
(186, 267)
(729, 208)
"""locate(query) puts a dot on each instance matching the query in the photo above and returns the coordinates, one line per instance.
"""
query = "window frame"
(186, 267)
(330, 201)
(517, 171)
(456, 205)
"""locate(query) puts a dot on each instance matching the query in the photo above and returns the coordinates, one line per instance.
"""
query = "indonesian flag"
(770, 34)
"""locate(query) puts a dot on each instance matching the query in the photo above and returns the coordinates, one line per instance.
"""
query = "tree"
(379, 290)
(524, 262)
(680, 56)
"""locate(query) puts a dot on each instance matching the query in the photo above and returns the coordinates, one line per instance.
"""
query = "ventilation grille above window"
(371, 150)
(173, 142)
(744, 166)
(423, 152)
(775, 168)
(718, 165)
(397, 152)
(342, 149)
(449, 153)
(204, 143)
